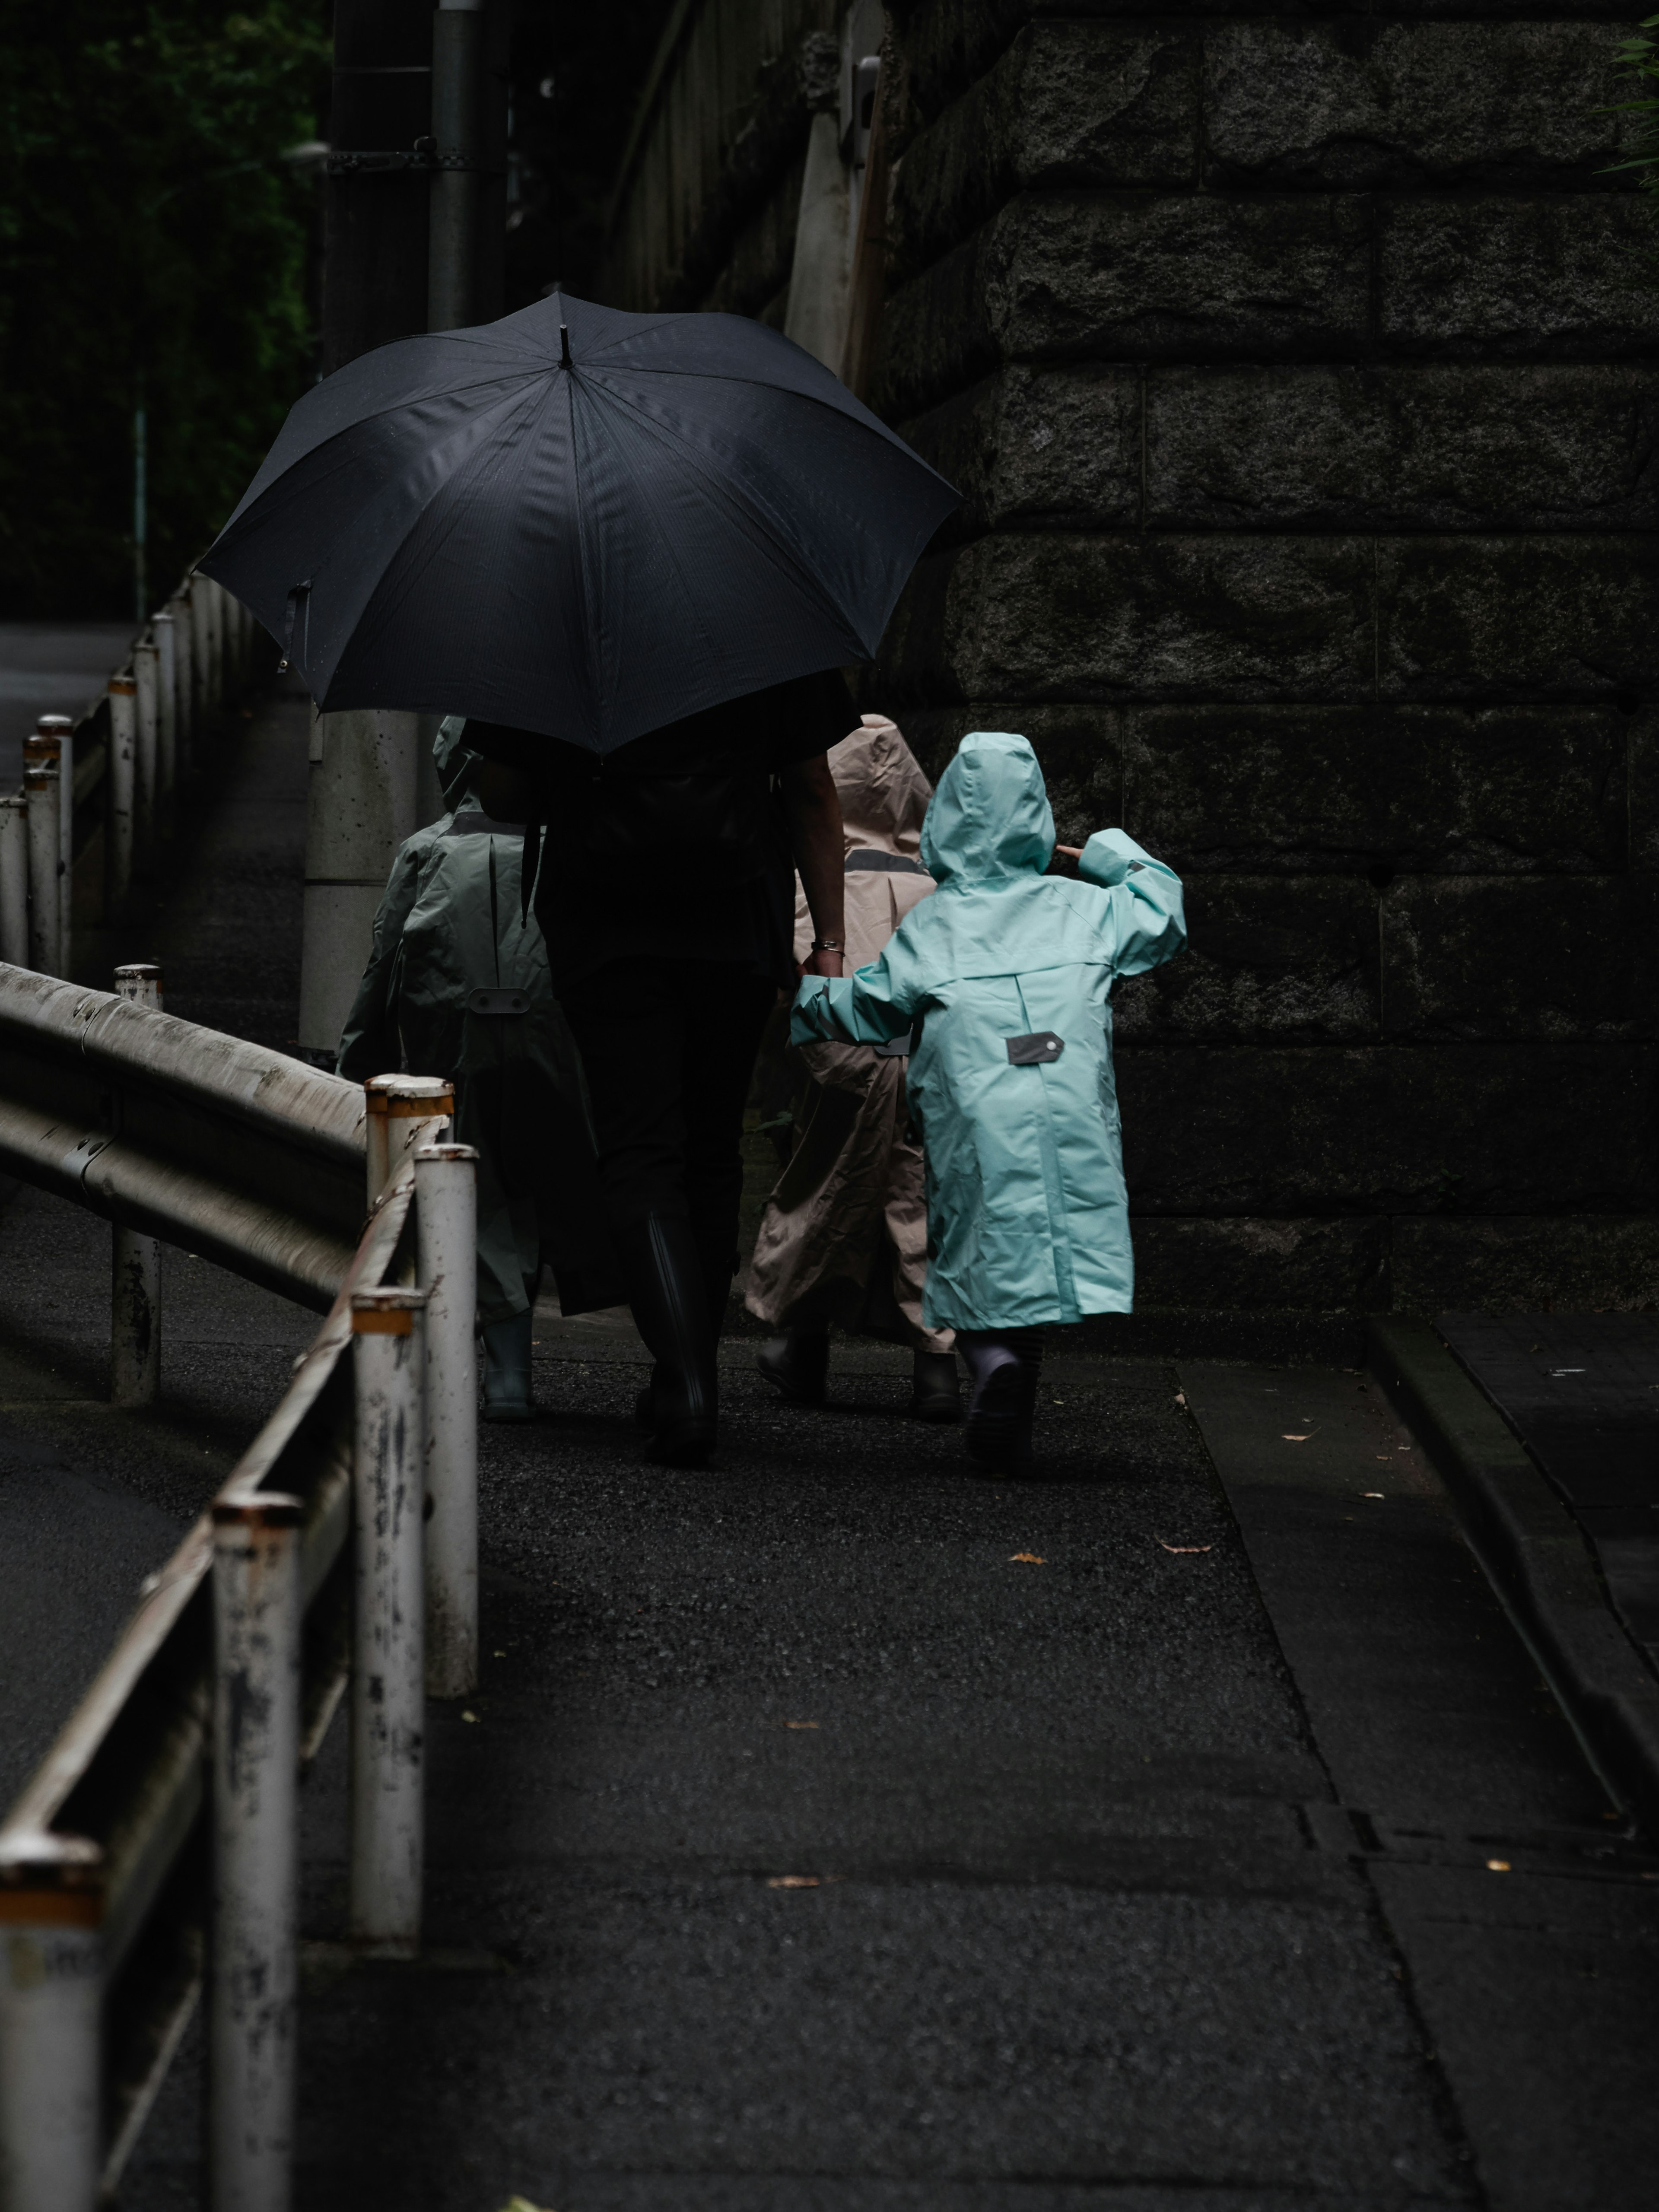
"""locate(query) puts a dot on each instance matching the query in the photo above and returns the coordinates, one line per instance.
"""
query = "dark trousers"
(669, 1047)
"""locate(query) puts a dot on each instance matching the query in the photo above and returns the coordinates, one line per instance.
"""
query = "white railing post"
(46, 919)
(164, 629)
(257, 1619)
(388, 1716)
(146, 659)
(52, 1994)
(15, 881)
(121, 783)
(58, 731)
(135, 1326)
(402, 1113)
(446, 1220)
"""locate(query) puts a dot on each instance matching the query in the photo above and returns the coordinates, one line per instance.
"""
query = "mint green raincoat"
(1027, 1217)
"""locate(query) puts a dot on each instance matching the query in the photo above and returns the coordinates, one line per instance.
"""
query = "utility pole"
(406, 249)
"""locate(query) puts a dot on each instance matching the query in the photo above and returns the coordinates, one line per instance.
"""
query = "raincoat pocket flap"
(1036, 1050)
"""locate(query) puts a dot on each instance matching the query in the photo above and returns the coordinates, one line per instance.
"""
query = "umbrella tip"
(564, 346)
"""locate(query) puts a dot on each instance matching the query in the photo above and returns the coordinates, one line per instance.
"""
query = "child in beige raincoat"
(844, 1237)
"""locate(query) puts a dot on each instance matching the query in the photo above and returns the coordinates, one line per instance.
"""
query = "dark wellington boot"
(935, 1393)
(664, 1286)
(506, 1370)
(798, 1365)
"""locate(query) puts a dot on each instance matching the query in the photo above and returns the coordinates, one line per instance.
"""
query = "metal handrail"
(185, 1750)
(238, 1153)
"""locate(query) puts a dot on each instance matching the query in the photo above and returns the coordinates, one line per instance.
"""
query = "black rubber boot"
(506, 1370)
(1003, 1403)
(935, 1393)
(664, 1289)
(798, 1365)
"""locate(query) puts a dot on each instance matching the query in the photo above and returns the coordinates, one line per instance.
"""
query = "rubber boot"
(798, 1363)
(664, 1289)
(1002, 1403)
(935, 1395)
(506, 1370)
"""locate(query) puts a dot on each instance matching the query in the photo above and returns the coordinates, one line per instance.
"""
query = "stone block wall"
(1300, 375)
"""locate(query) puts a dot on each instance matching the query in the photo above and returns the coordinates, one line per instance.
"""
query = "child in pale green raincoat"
(458, 986)
(1003, 978)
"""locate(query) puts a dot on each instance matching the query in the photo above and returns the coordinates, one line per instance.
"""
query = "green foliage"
(1640, 56)
(151, 240)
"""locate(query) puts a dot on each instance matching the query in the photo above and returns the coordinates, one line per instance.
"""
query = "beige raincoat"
(844, 1237)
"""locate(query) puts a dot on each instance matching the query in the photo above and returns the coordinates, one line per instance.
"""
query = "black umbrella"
(587, 531)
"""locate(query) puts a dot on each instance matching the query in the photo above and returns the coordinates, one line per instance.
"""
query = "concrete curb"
(1534, 1551)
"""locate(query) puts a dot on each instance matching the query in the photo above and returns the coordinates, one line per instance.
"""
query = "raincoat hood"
(883, 792)
(990, 822)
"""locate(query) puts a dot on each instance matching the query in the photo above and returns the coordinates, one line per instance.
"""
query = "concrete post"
(201, 643)
(164, 629)
(122, 784)
(135, 1325)
(258, 1616)
(45, 919)
(388, 1716)
(15, 881)
(184, 693)
(361, 808)
(146, 659)
(815, 315)
(51, 1993)
(56, 732)
(452, 236)
(403, 1112)
(446, 1220)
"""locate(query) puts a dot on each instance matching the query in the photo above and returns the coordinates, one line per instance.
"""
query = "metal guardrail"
(160, 1833)
(105, 786)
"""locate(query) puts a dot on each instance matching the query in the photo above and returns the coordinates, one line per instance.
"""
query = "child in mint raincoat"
(1003, 979)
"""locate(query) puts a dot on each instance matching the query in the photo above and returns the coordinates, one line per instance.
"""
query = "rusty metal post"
(54, 739)
(45, 918)
(164, 629)
(15, 881)
(121, 784)
(258, 1615)
(146, 660)
(135, 1326)
(388, 1716)
(51, 1995)
(403, 1112)
(446, 1220)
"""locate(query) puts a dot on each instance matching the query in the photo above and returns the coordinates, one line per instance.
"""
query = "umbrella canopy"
(578, 521)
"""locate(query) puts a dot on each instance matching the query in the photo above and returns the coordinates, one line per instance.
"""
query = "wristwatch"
(829, 944)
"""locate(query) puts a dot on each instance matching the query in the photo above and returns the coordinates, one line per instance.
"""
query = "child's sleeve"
(369, 1043)
(877, 1003)
(1148, 923)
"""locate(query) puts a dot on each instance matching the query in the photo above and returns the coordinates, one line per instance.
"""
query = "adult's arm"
(812, 811)
(369, 1043)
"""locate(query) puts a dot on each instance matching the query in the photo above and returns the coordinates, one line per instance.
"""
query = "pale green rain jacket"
(451, 932)
(1027, 1217)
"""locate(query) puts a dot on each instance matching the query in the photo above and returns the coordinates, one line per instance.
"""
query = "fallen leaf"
(1290, 1439)
(1187, 1547)
(469, 1716)
(1498, 1866)
(1180, 1397)
(520, 2204)
(800, 1724)
(792, 1882)
(1026, 1559)
(1376, 1494)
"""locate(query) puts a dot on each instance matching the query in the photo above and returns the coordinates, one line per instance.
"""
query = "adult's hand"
(824, 963)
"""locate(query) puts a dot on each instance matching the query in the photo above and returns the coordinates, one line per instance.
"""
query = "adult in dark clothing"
(665, 890)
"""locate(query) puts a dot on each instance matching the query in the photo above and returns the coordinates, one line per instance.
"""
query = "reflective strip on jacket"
(1027, 1215)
